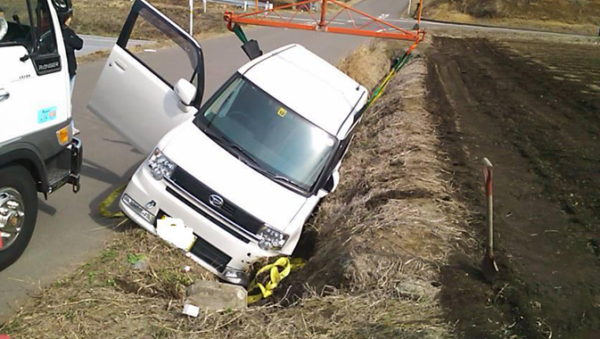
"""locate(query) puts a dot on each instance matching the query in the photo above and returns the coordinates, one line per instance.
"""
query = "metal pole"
(191, 17)
(204, 5)
(409, 6)
(323, 14)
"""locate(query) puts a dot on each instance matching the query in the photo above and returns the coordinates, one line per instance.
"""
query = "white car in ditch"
(246, 169)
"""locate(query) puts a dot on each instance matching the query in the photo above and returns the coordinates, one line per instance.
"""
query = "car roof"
(307, 84)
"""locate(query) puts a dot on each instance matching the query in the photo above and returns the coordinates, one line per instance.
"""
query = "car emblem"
(215, 200)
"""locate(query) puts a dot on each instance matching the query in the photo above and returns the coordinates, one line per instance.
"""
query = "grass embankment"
(575, 16)
(374, 248)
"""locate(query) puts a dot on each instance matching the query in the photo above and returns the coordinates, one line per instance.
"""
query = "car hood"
(230, 178)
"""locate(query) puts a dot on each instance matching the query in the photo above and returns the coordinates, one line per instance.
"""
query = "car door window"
(178, 57)
(15, 23)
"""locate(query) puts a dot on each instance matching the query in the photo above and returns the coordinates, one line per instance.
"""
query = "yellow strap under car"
(103, 208)
(278, 270)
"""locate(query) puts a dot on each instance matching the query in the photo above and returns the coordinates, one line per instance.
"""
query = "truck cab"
(245, 170)
(38, 152)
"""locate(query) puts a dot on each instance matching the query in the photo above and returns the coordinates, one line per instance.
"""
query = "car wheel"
(18, 212)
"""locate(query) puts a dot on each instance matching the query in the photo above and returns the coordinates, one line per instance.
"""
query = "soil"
(534, 110)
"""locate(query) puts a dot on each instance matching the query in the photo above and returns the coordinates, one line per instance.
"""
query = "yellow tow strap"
(277, 271)
(103, 208)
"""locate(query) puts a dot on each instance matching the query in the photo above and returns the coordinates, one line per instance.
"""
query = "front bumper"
(225, 252)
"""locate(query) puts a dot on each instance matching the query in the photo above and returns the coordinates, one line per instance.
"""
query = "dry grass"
(106, 18)
(369, 64)
(286, 2)
(576, 16)
(374, 273)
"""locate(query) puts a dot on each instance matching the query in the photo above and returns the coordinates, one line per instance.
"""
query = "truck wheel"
(18, 212)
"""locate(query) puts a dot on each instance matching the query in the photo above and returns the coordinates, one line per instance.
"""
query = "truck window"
(150, 33)
(44, 28)
(15, 23)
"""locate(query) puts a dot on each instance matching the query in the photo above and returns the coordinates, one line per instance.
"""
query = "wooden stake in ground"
(489, 268)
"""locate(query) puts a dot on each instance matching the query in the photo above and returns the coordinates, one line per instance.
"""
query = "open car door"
(143, 93)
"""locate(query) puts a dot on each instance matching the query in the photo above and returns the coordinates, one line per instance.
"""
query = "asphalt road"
(92, 43)
(69, 230)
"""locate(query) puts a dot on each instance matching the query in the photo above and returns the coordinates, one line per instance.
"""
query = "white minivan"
(246, 169)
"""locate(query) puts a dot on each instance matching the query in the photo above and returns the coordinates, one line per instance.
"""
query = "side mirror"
(330, 185)
(186, 92)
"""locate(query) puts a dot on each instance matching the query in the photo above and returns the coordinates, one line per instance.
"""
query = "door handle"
(121, 65)
(4, 95)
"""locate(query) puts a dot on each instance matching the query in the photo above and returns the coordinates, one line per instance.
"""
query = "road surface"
(69, 230)
(92, 43)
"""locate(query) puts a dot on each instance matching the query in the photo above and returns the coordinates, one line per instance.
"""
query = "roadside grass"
(575, 16)
(286, 2)
(374, 255)
(106, 18)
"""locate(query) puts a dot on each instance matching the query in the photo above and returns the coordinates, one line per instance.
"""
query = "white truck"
(246, 169)
(38, 152)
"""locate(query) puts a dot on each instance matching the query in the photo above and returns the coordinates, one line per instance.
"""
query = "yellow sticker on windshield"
(282, 111)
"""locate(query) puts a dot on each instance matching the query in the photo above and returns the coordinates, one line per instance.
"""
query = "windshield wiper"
(224, 141)
(249, 160)
(286, 180)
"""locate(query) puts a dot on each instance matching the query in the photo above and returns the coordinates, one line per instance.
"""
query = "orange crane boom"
(362, 24)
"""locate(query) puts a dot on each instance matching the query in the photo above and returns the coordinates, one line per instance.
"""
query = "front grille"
(210, 254)
(206, 215)
(229, 210)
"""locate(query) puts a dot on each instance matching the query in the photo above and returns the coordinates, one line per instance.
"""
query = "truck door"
(33, 76)
(136, 92)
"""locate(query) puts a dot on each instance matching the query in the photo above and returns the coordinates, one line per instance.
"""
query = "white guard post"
(192, 17)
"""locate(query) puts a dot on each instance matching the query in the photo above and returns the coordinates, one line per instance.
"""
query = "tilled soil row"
(541, 133)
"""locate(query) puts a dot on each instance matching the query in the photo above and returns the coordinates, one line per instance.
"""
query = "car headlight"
(271, 239)
(160, 165)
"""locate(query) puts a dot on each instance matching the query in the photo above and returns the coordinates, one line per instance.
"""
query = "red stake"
(489, 268)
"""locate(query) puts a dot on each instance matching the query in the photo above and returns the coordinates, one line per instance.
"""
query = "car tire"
(16, 185)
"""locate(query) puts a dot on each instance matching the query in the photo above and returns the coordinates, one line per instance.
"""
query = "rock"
(141, 265)
(214, 296)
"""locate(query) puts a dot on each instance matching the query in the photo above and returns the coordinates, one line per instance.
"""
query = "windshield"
(266, 134)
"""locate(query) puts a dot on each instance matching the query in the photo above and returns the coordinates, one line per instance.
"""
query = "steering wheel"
(45, 42)
(3, 27)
